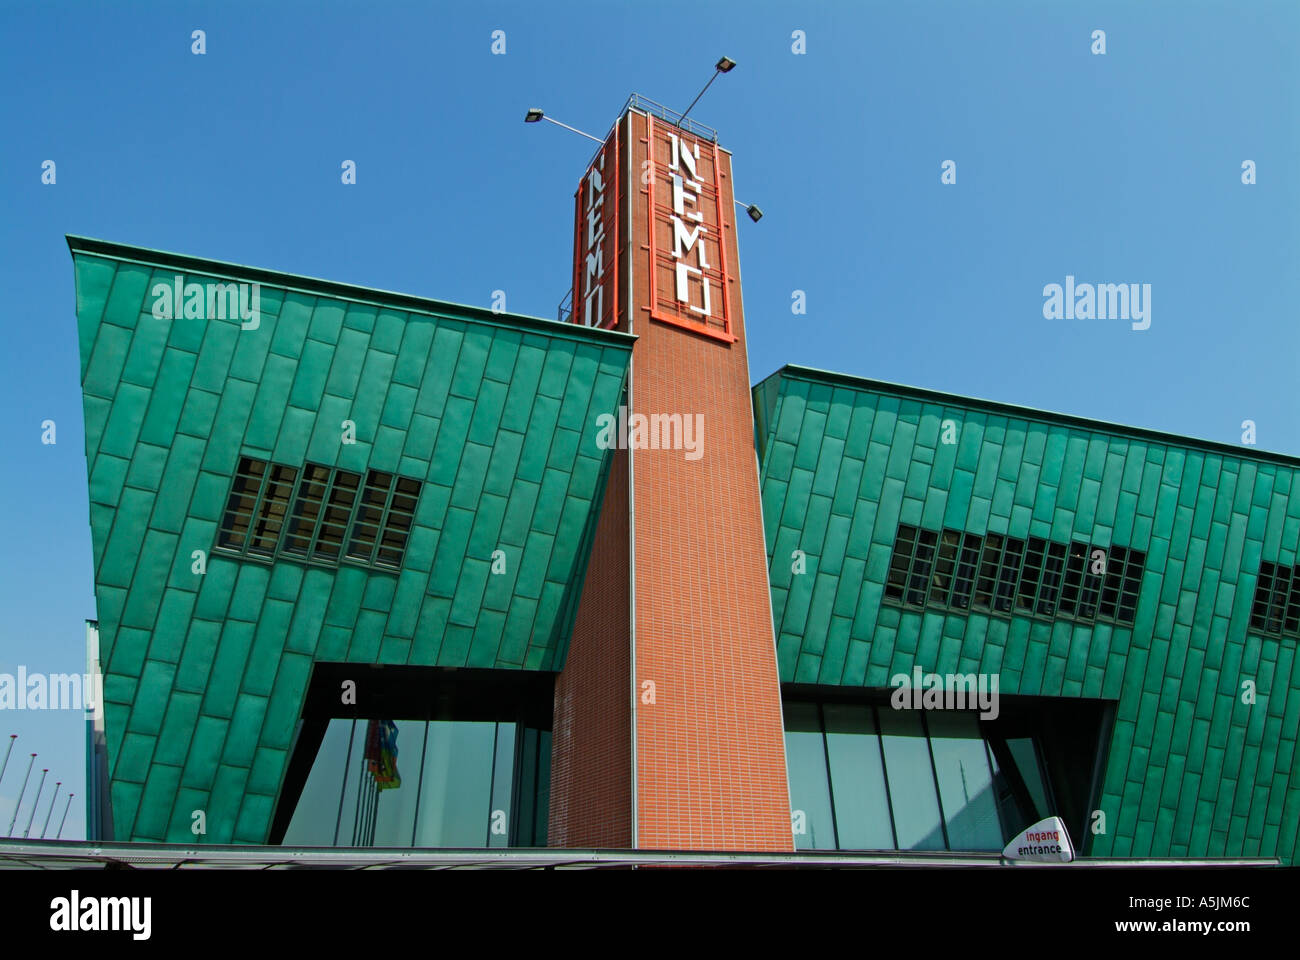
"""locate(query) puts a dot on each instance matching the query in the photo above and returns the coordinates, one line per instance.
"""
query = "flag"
(381, 754)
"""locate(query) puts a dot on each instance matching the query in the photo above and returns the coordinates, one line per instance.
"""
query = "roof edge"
(1031, 413)
(342, 291)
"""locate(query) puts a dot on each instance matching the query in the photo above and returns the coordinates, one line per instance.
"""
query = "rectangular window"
(988, 575)
(941, 584)
(1073, 583)
(967, 794)
(240, 507)
(869, 777)
(918, 822)
(1091, 583)
(1132, 585)
(919, 579)
(338, 513)
(1031, 573)
(307, 509)
(810, 791)
(370, 515)
(1031, 577)
(420, 783)
(1276, 607)
(1263, 593)
(967, 567)
(398, 522)
(318, 513)
(1277, 599)
(1111, 580)
(1009, 574)
(904, 548)
(256, 508)
(1291, 622)
(1051, 588)
(272, 510)
(857, 778)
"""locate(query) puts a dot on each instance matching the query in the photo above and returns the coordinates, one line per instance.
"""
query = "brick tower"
(668, 731)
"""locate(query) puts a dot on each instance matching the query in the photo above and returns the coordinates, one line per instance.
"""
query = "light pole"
(724, 65)
(752, 209)
(535, 114)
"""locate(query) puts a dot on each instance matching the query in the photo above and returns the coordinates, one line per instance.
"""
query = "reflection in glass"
(395, 806)
(857, 778)
(911, 781)
(316, 818)
(1026, 757)
(426, 784)
(805, 757)
(965, 782)
(456, 790)
(867, 777)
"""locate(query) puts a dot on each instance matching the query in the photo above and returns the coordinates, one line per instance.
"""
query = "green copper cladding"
(205, 674)
(1193, 770)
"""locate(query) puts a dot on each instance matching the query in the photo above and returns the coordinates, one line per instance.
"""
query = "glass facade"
(868, 777)
(437, 783)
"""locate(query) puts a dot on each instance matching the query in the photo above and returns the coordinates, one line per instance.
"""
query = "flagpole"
(36, 802)
(59, 836)
(12, 738)
(10, 831)
(48, 812)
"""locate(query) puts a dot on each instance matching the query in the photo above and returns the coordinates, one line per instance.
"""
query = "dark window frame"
(1275, 607)
(1048, 580)
(307, 525)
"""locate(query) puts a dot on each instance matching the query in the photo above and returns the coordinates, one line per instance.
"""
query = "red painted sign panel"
(595, 240)
(687, 210)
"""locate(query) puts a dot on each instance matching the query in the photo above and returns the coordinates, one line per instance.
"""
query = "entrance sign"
(1045, 842)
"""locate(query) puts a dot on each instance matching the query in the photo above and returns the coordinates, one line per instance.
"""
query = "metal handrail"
(646, 105)
(637, 102)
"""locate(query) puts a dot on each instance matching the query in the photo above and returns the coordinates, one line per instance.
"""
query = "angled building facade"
(376, 570)
(330, 481)
(1131, 592)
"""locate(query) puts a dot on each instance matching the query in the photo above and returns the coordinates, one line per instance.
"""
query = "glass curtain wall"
(867, 777)
(417, 783)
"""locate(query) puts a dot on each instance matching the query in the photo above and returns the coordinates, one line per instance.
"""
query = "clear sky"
(1117, 168)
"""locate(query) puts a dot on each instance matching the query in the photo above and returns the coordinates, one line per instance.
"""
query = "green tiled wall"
(205, 675)
(1192, 771)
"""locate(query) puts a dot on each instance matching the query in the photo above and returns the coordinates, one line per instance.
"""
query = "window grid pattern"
(319, 514)
(1276, 608)
(1031, 577)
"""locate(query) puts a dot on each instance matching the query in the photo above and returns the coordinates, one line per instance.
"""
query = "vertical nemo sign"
(595, 240)
(686, 215)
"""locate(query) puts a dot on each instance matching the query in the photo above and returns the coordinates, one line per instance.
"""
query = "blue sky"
(1115, 168)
